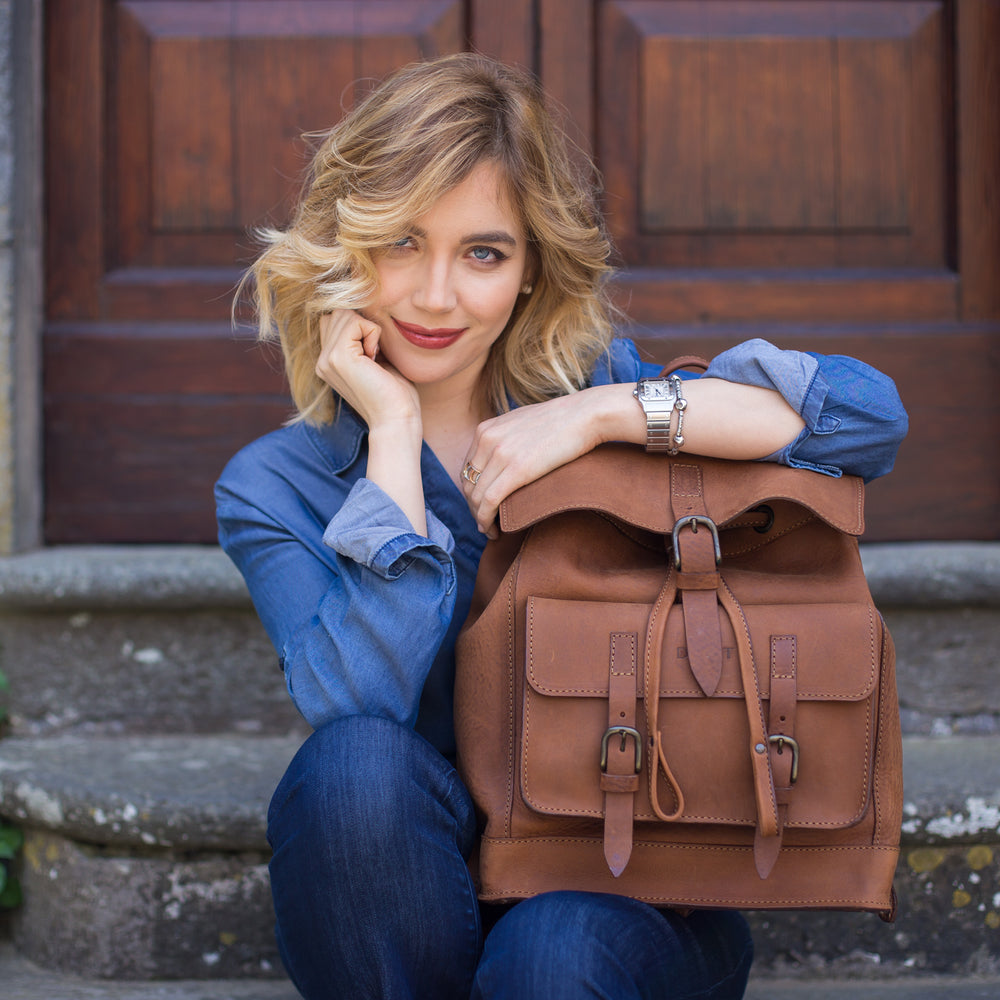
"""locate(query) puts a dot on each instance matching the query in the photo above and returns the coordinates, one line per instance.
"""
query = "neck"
(449, 422)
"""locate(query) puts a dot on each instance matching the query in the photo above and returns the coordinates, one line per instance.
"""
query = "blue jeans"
(371, 829)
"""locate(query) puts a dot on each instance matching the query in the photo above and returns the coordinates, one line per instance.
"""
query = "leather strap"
(781, 714)
(760, 758)
(621, 752)
(783, 752)
(698, 577)
(686, 361)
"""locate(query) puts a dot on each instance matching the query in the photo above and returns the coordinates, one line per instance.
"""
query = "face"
(448, 288)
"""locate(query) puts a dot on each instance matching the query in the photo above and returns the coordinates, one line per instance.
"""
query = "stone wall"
(7, 422)
(20, 273)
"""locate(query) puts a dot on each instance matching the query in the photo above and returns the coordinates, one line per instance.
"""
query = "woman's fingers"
(519, 447)
(349, 363)
(346, 338)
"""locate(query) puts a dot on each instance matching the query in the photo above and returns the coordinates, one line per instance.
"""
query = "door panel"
(820, 173)
(746, 135)
(806, 172)
(173, 128)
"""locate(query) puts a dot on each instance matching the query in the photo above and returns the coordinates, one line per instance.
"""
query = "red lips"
(420, 336)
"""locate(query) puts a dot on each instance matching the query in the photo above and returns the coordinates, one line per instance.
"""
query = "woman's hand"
(349, 363)
(519, 447)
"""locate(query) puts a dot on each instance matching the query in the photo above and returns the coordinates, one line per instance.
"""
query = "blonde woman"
(438, 298)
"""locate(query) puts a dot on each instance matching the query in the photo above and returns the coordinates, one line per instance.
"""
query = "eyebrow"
(496, 236)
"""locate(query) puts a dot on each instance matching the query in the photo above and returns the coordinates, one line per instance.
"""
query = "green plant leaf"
(11, 840)
(10, 895)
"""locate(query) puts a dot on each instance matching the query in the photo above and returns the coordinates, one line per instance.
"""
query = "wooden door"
(172, 129)
(825, 175)
(819, 173)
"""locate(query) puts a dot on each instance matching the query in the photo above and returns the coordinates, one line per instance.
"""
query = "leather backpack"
(673, 685)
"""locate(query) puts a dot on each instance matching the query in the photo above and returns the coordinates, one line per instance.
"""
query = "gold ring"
(471, 474)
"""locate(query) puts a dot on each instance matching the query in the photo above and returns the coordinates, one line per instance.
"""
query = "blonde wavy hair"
(414, 138)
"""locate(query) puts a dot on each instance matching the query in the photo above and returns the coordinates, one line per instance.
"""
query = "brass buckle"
(781, 741)
(623, 732)
(694, 520)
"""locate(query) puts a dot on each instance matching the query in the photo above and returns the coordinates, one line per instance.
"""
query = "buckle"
(781, 741)
(692, 521)
(624, 732)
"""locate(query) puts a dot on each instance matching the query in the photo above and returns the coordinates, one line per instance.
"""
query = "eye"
(487, 255)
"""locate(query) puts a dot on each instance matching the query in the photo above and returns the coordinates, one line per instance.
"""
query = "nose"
(435, 288)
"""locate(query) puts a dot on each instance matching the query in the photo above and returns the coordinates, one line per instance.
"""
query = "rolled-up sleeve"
(854, 418)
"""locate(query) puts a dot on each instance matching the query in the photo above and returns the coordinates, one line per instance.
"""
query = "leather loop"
(652, 668)
(698, 581)
(619, 783)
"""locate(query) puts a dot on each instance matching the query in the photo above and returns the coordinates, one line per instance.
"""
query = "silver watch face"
(657, 389)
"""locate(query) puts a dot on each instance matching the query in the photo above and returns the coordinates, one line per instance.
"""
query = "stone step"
(23, 980)
(138, 639)
(145, 858)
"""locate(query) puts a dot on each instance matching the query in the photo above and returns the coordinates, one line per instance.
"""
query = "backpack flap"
(624, 482)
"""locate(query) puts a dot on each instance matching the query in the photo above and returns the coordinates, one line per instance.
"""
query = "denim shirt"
(364, 612)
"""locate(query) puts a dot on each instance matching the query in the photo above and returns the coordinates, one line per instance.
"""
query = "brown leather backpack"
(673, 685)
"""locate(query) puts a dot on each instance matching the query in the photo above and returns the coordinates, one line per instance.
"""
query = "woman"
(438, 296)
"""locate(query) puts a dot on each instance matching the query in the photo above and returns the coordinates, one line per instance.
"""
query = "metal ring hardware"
(694, 520)
(623, 732)
(781, 741)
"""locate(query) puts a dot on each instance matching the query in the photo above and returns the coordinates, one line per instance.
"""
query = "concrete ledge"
(140, 793)
(920, 574)
(951, 790)
(211, 792)
(193, 916)
(90, 577)
(934, 574)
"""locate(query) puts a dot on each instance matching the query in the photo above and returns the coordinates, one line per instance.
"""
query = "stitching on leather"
(696, 469)
(511, 589)
(530, 798)
(775, 639)
(726, 848)
(771, 536)
(632, 640)
(538, 683)
(623, 527)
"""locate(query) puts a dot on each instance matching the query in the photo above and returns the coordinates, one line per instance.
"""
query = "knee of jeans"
(546, 926)
(364, 777)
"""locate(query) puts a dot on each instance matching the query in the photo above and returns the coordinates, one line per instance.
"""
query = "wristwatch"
(658, 396)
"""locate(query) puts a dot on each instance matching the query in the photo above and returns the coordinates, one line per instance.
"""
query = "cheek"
(388, 288)
(495, 304)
